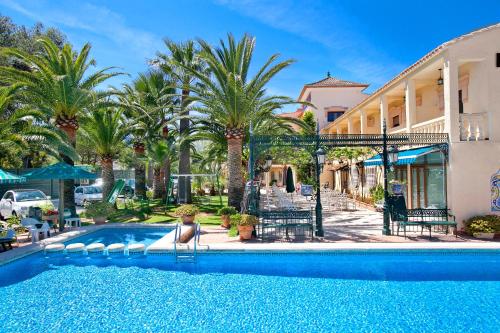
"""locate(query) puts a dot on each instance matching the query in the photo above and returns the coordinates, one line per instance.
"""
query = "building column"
(450, 92)
(384, 112)
(363, 121)
(339, 131)
(410, 104)
(350, 125)
(409, 193)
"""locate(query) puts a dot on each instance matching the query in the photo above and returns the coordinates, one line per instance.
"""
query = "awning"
(404, 157)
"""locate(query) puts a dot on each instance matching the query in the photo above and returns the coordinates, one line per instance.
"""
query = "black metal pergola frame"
(379, 142)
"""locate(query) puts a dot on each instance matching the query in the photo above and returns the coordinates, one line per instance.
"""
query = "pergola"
(385, 144)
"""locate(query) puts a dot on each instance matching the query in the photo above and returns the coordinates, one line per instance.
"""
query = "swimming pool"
(107, 236)
(344, 291)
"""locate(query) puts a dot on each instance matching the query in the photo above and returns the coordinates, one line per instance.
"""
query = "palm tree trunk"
(167, 172)
(184, 153)
(69, 184)
(235, 177)
(108, 177)
(157, 183)
(140, 171)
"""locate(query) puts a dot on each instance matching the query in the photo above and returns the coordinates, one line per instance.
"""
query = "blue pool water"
(108, 236)
(232, 292)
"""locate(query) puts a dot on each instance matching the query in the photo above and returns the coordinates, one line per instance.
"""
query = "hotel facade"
(453, 89)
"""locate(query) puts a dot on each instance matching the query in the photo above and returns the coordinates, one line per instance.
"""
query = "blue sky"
(364, 41)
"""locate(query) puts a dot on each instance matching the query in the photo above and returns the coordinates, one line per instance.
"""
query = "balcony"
(435, 125)
(474, 126)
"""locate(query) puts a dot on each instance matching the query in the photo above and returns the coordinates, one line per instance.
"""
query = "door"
(418, 187)
(460, 102)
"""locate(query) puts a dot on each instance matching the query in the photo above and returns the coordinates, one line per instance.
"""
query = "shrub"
(48, 209)
(227, 211)
(377, 193)
(13, 221)
(149, 194)
(244, 220)
(235, 219)
(187, 210)
(485, 223)
(99, 209)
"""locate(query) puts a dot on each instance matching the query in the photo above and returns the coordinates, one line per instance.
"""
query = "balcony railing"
(474, 126)
(435, 125)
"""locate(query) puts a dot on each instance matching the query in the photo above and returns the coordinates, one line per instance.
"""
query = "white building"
(454, 89)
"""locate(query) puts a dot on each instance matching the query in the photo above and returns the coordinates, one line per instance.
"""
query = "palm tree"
(106, 129)
(22, 128)
(151, 102)
(180, 63)
(61, 85)
(159, 152)
(229, 97)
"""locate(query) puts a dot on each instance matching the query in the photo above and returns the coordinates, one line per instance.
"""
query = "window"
(395, 121)
(332, 115)
(498, 59)
(79, 190)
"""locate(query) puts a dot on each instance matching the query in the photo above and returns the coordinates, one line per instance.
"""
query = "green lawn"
(154, 211)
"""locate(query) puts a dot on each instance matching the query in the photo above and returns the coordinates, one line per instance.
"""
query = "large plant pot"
(187, 219)
(99, 220)
(484, 235)
(226, 223)
(245, 232)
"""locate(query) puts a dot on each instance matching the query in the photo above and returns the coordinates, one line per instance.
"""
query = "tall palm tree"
(151, 101)
(180, 63)
(234, 100)
(22, 128)
(107, 130)
(61, 85)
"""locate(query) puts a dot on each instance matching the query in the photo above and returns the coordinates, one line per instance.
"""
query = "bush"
(13, 221)
(485, 223)
(244, 219)
(377, 193)
(187, 210)
(99, 209)
(149, 194)
(227, 211)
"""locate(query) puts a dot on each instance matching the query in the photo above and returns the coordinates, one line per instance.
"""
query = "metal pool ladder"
(188, 256)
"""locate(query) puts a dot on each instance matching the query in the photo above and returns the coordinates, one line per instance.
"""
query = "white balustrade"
(474, 126)
(435, 125)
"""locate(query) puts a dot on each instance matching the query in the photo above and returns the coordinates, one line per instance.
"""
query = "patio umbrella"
(61, 171)
(10, 178)
(290, 187)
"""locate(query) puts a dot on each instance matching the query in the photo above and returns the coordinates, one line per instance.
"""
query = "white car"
(85, 194)
(17, 202)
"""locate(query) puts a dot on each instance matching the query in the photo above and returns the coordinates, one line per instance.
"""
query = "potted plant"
(483, 227)
(99, 211)
(187, 213)
(245, 224)
(225, 213)
(49, 213)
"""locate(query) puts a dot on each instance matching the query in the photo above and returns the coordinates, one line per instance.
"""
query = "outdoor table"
(69, 221)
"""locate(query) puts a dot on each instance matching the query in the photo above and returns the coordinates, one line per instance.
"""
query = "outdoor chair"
(419, 217)
(276, 224)
(7, 240)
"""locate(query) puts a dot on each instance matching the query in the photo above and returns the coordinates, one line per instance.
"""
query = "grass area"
(154, 211)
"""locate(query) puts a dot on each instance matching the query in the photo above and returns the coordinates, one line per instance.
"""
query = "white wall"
(471, 166)
(325, 97)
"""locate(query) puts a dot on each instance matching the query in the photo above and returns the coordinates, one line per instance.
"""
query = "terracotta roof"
(431, 55)
(331, 82)
(334, 82)
(296, 114)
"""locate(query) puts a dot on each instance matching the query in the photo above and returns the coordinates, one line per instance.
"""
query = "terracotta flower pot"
(245, 232)
(187, 219)
(226, 223)
(99, 220)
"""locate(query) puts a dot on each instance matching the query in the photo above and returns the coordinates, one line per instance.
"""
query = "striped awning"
(404, 157)
(10, 178)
